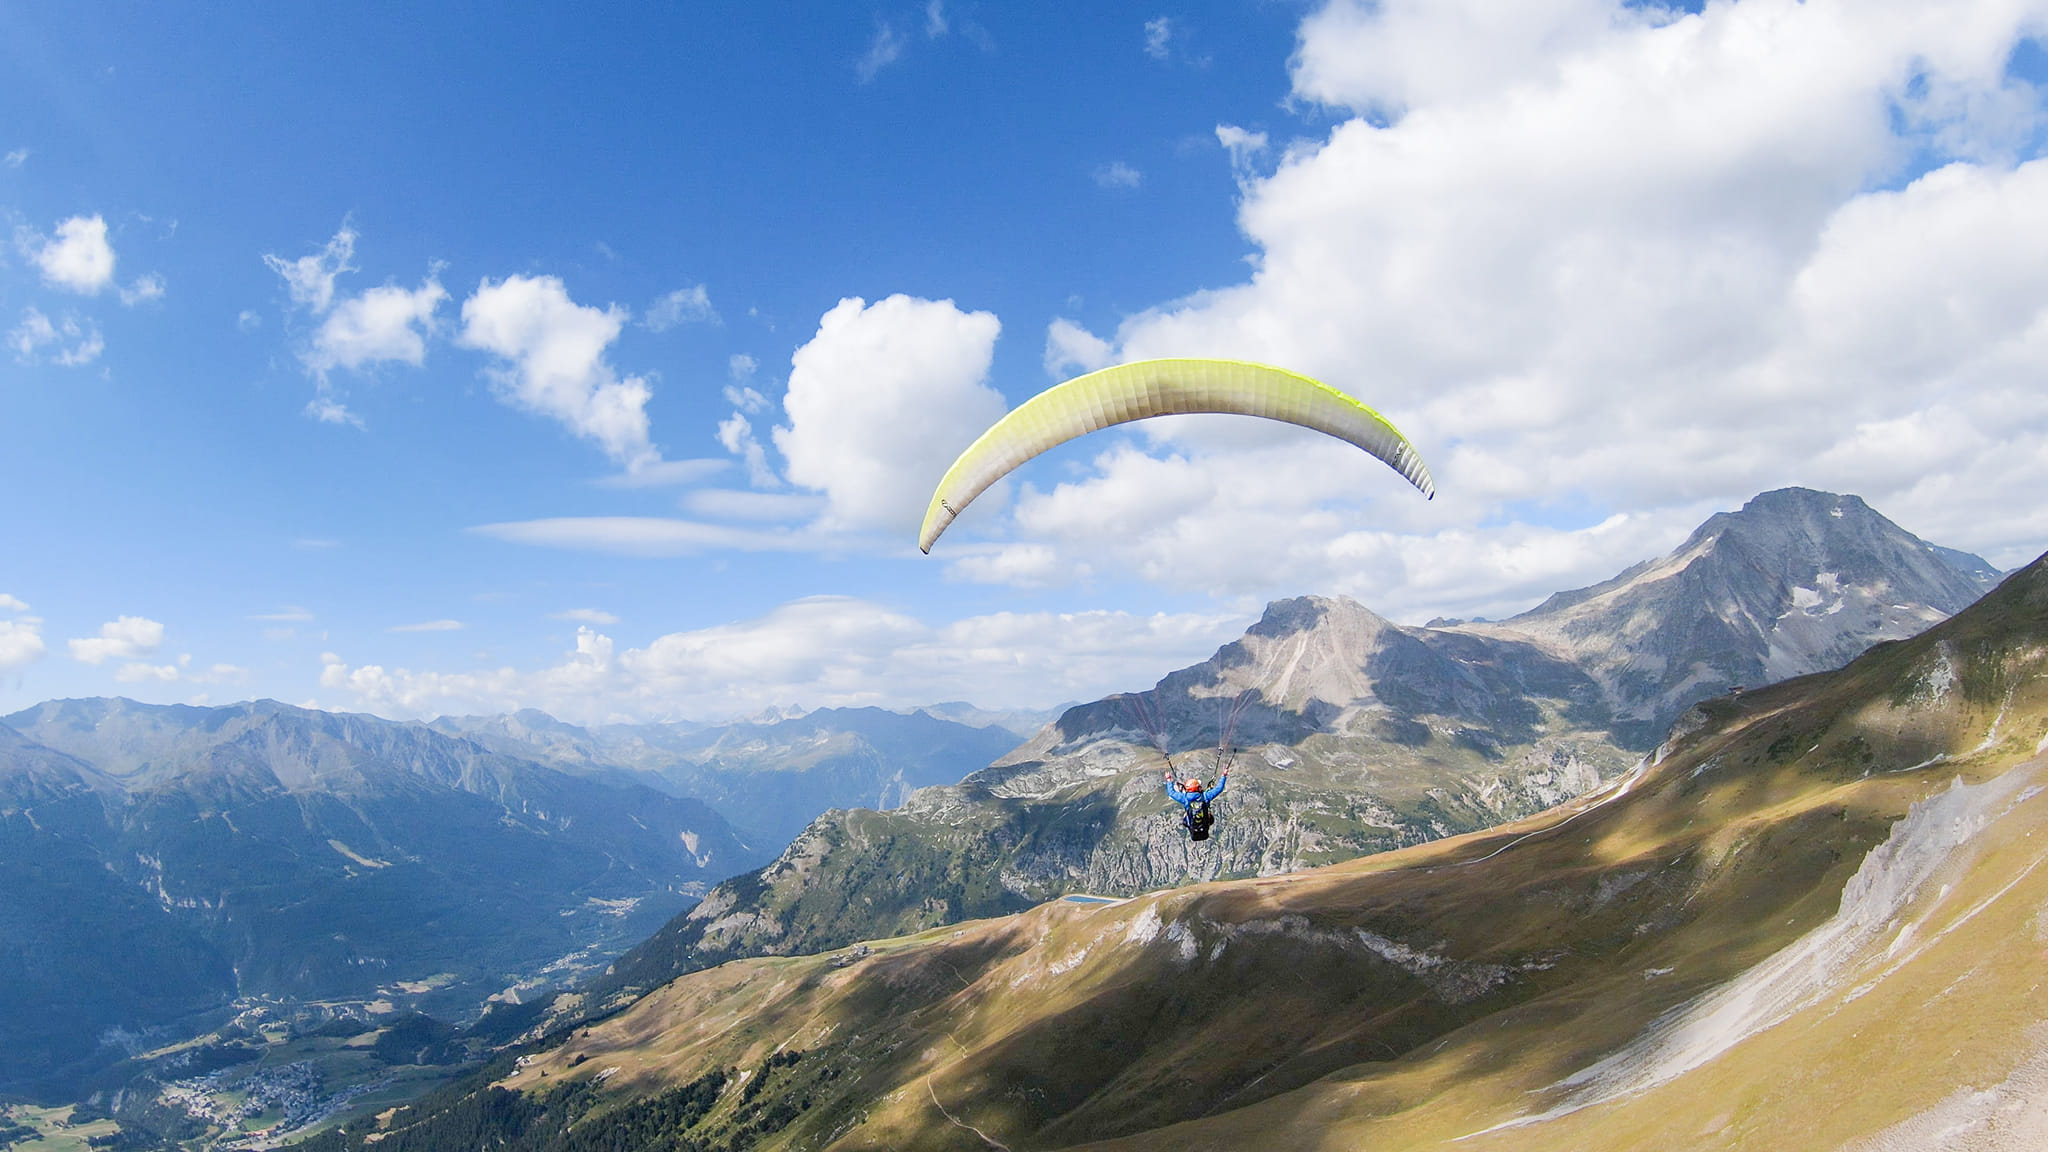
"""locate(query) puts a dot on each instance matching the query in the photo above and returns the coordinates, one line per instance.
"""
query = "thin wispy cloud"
(650, 536)
(310, 279)
(1242, 145)
(68, 342)
(665, 474)
(21, 637)
(884, 49)
(1159, 37)
(690, 305)
(144, 289)
(1118, 175)
(428, 626)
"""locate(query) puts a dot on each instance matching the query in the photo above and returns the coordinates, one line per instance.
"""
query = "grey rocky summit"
(1796, 582)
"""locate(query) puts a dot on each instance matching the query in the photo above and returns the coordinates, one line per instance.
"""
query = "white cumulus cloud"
(881, 400)
(77, 259)
(554, 349)
(382, 324)
(124, 638)
(21, 638)
(386, 324)
(1072, 349)
(1613, 268)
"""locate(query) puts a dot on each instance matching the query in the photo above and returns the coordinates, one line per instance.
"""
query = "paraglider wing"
(1147, 388)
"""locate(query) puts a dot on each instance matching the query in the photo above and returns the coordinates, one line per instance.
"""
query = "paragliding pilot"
(1194, 802)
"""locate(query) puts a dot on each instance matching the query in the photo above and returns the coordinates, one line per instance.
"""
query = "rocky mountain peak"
(1796, 581)
(1309, 648)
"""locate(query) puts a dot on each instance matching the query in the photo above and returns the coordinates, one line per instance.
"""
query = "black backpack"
(1198, 820)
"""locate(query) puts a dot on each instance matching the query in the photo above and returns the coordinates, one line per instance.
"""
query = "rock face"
(1362, 736)
(771, 776)
(162, 860)
(1796, 582)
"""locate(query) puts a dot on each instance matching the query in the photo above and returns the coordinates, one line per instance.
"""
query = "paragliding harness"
(1195, 815)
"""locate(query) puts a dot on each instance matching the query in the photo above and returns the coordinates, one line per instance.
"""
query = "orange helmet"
(1191, 784)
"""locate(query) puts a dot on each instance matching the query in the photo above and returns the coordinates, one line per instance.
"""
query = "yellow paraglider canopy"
(1148, 388)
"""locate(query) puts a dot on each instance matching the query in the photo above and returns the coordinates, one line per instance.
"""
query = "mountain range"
(1810, 918)
(165, 861)
(1363, 736)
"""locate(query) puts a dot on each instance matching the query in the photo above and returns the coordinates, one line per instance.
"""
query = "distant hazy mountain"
(1023, 722)
(1796, 582)
(83, 948)
(1366, 736)
(164, 859)
(770, 776)
(1812, 920)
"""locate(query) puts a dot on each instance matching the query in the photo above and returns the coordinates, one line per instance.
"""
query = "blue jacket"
(1186, 798)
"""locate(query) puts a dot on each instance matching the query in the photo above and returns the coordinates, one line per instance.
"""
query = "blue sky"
(414, 327)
